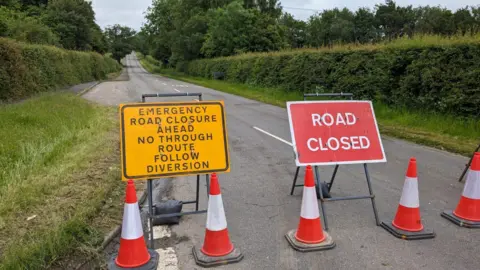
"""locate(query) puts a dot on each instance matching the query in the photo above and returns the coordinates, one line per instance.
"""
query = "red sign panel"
(334, 132)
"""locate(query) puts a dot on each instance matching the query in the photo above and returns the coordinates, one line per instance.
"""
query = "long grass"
(59, 164)
(418, 41)
(445, 132)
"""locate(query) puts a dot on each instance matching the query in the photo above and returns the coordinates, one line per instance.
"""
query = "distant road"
(260, 210)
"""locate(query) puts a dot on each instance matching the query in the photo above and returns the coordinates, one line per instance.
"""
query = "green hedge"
(438, 78)
(28, 69)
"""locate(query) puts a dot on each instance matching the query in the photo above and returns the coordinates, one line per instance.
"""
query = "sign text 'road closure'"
(169, 139)
(334, 132)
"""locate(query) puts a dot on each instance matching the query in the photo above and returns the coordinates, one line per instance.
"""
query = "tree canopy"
(183, 30)
(68, 24)
(120, 40)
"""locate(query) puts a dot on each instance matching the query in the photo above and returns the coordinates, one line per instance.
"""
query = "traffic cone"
(467, 213)
(407, 223)
(217, 248)
(309, 236)
(133, 252)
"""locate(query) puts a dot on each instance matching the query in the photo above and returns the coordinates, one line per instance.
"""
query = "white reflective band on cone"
(132, 225)
(309, 204)
(216, 220)
(472, 186)
(410, 193)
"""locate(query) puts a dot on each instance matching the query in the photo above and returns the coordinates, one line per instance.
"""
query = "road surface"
(260, 210)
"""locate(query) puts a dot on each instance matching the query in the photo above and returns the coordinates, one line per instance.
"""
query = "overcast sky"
(131, 12)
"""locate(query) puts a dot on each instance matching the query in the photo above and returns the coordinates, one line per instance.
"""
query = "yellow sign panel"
(171, 139)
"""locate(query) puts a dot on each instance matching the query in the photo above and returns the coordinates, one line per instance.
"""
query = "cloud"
(124, 12)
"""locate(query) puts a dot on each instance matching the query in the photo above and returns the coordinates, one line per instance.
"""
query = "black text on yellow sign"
(172, 139)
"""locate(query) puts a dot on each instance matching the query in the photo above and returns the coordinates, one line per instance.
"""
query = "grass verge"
(59, 180)
(439, 131)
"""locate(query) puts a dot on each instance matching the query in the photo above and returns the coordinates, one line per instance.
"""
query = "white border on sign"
(297, 162)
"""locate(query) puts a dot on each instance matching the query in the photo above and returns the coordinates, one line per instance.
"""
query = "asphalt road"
(260, 210)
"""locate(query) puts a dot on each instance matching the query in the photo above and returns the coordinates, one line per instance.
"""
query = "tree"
(435, 20)
(463, 20)
(19, 26)
(270, 7)
(331, 26)
(34, 2)
(476, 19)
(120, 40)
(365, 30)
(295, 31)
(99, 41)
(234, 29)
(73, 21)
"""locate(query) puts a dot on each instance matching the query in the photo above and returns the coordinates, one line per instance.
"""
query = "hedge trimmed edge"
(27, 69)
(436, 78)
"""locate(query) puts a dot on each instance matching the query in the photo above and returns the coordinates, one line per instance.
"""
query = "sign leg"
(198, 192)
(150, 211)
(333, 178)
(295, 180)
(371, 193)
(467, 166)
(208, 185)
(322, 206)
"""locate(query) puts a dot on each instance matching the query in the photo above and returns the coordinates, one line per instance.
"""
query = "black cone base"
(406, 235)
(150, 265)
(459, 221)
(207, 261)
(328, 243)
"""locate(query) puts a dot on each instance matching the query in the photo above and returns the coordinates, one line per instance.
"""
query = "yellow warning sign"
(170, 139)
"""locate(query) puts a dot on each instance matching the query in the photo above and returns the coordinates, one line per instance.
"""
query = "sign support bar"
(151, 215)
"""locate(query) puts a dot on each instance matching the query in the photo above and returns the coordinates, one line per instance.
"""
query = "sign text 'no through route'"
(175, 138)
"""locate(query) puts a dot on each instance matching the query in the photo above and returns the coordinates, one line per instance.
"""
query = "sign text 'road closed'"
(334, 132)
(171, 139)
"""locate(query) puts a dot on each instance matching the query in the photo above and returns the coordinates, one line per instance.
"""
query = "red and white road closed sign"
(334, 132)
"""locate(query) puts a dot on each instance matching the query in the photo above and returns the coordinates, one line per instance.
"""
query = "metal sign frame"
(467, 166)
(150, 184)
(329, 185)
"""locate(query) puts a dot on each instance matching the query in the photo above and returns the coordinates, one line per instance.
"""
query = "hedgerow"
(442, 78)
(27, 69)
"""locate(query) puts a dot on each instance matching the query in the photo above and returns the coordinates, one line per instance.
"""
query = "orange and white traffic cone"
(407, 223)
(467, 213)
(217, 248)
(309, 236)
(133, 252)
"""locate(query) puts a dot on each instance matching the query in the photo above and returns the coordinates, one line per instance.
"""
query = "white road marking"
(176, 90)
(168, 256)
(273, 136)
(164, 84)
(196, 99)
(161, 232)
(168, 259)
